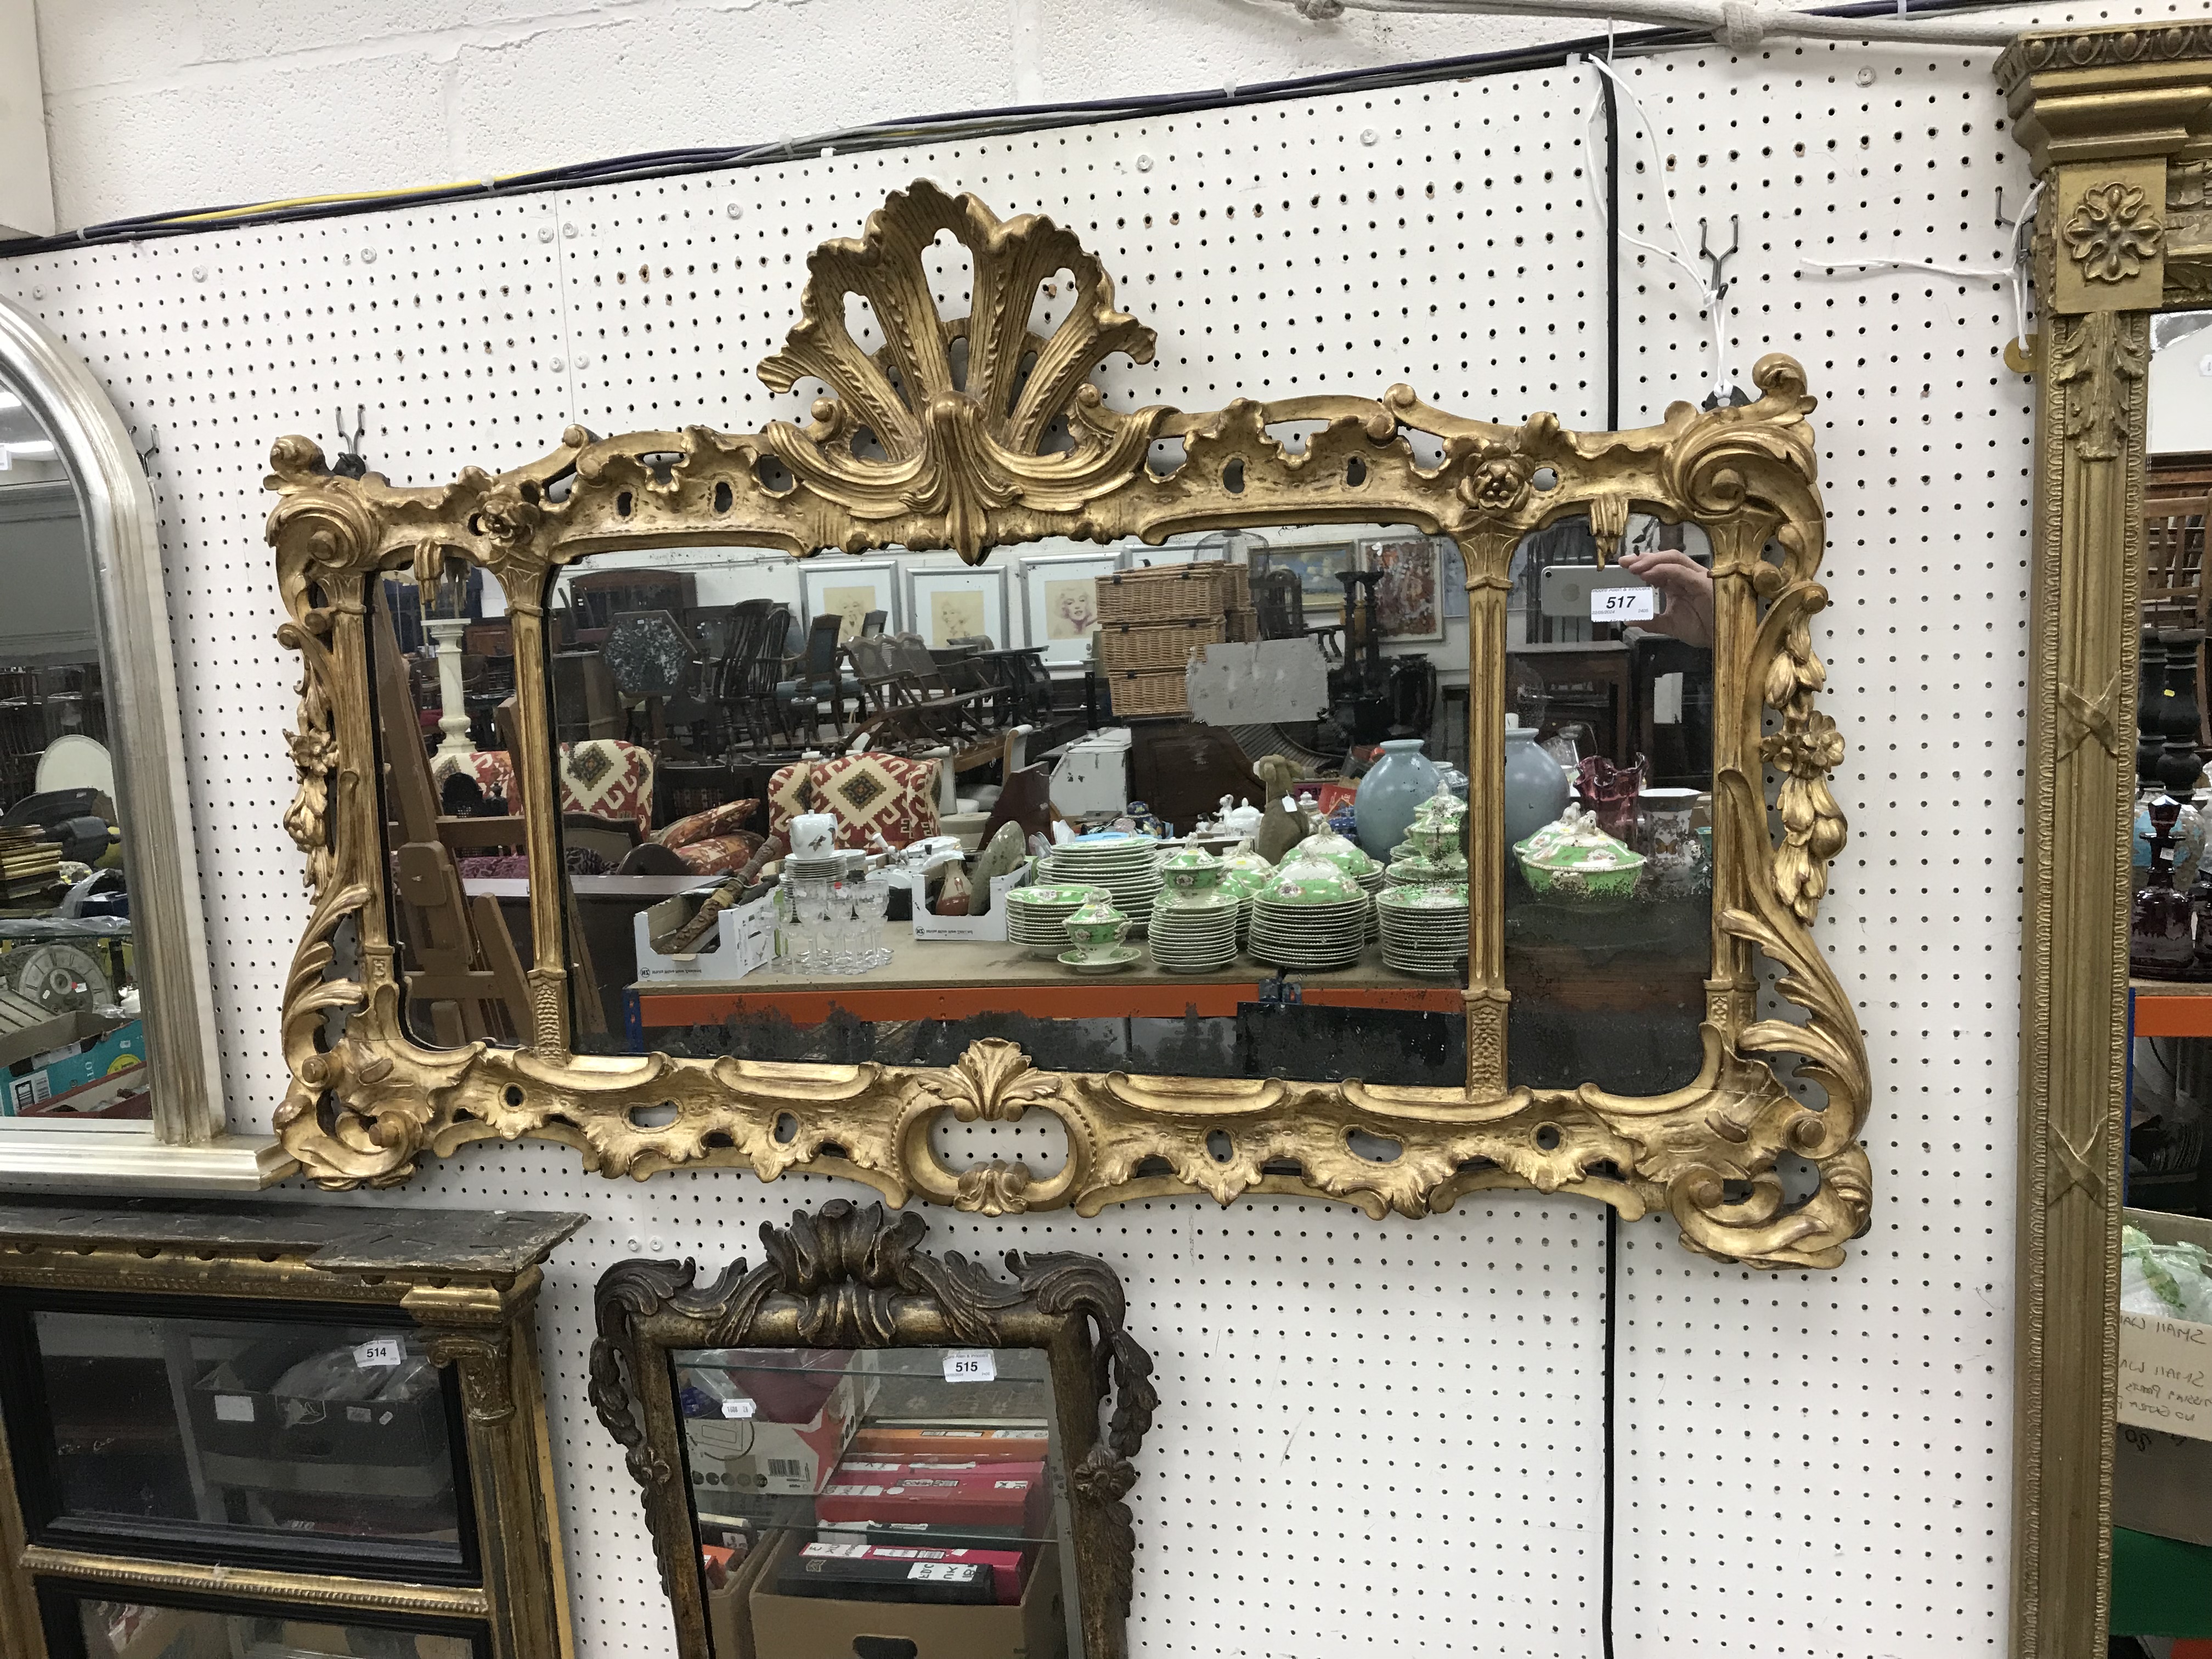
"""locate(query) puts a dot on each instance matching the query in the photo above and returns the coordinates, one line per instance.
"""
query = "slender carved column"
(541, 807)
(358, 809)
(2101, 113)
(1738, 553)
(1487, 556)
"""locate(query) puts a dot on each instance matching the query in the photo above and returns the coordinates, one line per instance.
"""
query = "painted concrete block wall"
(159, 106)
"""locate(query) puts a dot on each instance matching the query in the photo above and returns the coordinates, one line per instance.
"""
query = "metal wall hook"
(146, 455)
(1716, 259)
(351, 463)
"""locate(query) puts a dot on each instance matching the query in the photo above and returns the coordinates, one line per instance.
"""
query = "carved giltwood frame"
(2118, 123)
(854, 1277)
(970, 462)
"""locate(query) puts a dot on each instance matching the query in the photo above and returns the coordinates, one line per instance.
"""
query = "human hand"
(1688, 586)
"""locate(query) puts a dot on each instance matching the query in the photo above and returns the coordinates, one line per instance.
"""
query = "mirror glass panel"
(853, 807)
(894, 1492)
(241, 1437)
(140, 1630)
(1609, 807)
(2168, 937)
(442, 681)
(72, 1048)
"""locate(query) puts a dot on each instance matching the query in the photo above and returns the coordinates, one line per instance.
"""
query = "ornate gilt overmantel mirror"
(977, 544)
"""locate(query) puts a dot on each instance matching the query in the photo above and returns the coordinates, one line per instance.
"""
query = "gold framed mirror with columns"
(2118, 125)
(944, 439)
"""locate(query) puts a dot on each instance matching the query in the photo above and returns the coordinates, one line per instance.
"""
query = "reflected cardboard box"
(2162, 1450)
(305, 1639)
(989, 928)
(742, 942)
(826, 1627)
(763, 1460)
(72, 1063)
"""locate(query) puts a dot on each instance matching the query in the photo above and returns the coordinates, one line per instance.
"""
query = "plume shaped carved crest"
(950, 433)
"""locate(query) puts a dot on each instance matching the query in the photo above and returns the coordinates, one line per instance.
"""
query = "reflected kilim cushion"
(488, 766)
(609, 779)
(727, 819)
(720, 855)
(886, 795)
(605, 777)
(787, 798)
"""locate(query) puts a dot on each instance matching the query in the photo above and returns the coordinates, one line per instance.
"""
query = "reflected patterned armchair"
(604, 777)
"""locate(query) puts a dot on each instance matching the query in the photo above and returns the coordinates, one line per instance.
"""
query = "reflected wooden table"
(954, 980)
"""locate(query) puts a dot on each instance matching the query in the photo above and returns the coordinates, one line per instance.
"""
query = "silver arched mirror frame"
(188, 1143)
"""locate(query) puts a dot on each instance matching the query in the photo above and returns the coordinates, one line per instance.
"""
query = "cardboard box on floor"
(728, 1630)
(818, 1627)
(2160, 1469)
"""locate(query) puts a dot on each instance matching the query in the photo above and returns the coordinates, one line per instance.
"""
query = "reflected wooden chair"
(817, 694)
(2177, 506)
(1280, 599)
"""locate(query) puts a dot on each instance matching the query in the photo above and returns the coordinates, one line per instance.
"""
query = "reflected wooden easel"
(462, 963)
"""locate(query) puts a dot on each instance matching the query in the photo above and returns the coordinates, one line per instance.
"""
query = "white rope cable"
(1709, 297)
(1740, 25)
(2015, 270)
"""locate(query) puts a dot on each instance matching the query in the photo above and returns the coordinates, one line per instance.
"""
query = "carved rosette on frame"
(1022, 445)
(2118, 123)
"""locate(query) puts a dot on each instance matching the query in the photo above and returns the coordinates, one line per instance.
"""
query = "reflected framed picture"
(1409, 599)
(1060, 602)
(1318, 565)
(851, 588)
(954, 602)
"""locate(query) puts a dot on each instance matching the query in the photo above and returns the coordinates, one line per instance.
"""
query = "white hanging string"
(1743, 25)
(1709, 296)
(2015, 270)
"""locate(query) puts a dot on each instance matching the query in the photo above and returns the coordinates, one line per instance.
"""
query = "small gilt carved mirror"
(861, 1450)
(776, 799)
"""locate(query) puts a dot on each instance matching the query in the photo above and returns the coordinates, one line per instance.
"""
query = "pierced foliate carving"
(952, 447)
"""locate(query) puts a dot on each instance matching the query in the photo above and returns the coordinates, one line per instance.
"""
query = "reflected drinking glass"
(872, 902)
(811, 902)
(843, 943)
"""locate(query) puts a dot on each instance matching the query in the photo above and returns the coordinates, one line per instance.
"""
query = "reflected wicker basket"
(1148, 691)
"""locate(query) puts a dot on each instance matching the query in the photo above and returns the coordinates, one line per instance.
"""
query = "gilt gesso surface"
(921, 445)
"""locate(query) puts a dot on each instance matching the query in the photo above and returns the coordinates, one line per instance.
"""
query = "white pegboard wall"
(1284, 1466)
(1865, 1414)
(1810, 1464)
(1335, 245)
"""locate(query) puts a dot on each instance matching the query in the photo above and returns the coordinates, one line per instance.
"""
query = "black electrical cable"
(1612, 1215)
(883, 134)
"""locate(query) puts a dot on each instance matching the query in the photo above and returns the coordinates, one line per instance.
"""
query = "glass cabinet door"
(237, 1438)
(84, 1627)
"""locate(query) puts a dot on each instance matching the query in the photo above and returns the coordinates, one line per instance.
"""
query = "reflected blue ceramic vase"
(1536, 788)
(1398, 782)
